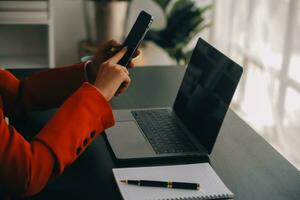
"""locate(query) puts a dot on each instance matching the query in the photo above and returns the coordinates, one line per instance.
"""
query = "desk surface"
(246, 163)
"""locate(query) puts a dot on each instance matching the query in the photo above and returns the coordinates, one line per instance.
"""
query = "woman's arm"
(49, 88)
(26, 167)
(42, 90)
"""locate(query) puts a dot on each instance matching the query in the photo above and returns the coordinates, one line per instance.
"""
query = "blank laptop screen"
(206, 91)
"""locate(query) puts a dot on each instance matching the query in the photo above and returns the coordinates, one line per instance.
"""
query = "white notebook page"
(211, 185)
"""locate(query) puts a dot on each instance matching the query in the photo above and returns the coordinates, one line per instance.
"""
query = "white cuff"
(84, 71)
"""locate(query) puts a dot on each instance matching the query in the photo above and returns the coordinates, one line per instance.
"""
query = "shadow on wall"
(262, 37)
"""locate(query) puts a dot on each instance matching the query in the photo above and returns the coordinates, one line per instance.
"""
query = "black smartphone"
(136, 36)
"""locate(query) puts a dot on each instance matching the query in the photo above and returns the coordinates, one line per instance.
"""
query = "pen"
(178, 185)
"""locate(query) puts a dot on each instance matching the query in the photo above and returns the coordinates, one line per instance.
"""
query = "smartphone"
(136, 36)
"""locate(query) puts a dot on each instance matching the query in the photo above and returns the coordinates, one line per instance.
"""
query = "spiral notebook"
(211, 186)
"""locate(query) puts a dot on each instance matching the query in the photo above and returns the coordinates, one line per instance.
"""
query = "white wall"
(69, 30)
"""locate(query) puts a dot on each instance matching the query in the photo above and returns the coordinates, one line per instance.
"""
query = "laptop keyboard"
(162, 131)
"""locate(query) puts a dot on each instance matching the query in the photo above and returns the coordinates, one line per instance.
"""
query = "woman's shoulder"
(7, 81)
(4, 73)
(4, 77)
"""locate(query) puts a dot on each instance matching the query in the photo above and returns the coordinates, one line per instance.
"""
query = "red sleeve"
(9, 89)
(26, 167)
(42, 90)
(49, 88)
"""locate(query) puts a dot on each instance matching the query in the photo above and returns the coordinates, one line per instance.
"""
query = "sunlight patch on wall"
(294, 71)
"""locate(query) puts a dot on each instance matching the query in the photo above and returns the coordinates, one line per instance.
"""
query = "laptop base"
(128, 141)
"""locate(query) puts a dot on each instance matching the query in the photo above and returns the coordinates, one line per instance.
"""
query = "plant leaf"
(184, 21)
(162, 3)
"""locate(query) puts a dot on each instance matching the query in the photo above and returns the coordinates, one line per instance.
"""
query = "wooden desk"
(246, 163)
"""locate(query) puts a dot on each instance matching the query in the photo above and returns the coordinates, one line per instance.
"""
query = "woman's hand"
(105, 52)
(111, 76)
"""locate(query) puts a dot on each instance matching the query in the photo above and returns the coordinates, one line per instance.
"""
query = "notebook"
(211, 186)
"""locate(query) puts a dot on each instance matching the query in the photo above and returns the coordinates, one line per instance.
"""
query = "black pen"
(178, 185)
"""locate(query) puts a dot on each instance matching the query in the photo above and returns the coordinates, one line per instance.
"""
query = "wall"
(69, 29)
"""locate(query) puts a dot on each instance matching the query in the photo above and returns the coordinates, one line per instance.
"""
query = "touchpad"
(127, 141)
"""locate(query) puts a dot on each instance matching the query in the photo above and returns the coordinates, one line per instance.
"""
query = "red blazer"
(27, 166)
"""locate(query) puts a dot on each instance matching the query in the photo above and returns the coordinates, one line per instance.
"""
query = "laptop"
(191, 126)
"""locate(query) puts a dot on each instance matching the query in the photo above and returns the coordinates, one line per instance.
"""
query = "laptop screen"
(206, 91)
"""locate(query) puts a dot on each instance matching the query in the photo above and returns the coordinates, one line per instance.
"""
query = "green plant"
(106, 1)
(184, 20)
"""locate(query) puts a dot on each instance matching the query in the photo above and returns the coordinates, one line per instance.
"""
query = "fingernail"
(113, 49)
